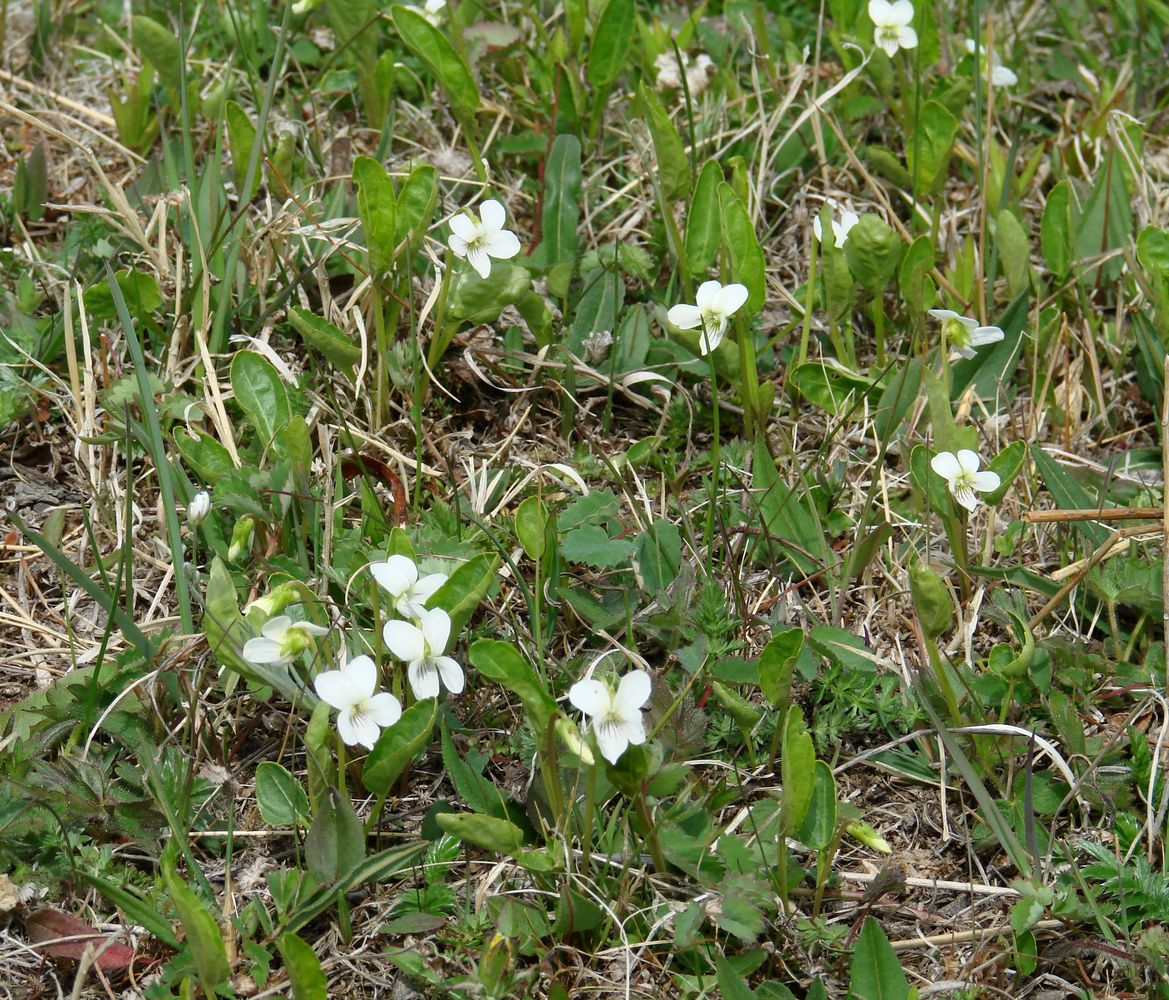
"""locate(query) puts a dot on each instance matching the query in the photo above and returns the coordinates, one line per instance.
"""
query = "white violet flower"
(840, 229)
(480, 239)
(615, 717)
(962, 476)
(1000, 75)
(430, 10)
(398, 575)
(198, 508)
(716, 304)
(280, 641)
(699, 73)
(422, 647)
(964, 334)
(361, 714)
(892, 25)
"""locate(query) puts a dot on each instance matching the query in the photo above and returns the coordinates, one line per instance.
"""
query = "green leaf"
(416, 204)
(819, 825)
(138, 910)
(377, 208)
(831, 386)
(561, 212)
(873, 251)
(279, 796)
(241, 138)
(673, 163)
(1014, 251)
(488, 832)
(876, 972)
(501, 662)
(335, 844)
(609, 48)
(1056, 230)
(797, 768)
(449, 68)
(747, 264)
(481, 300)
(303, 969)
(1152, 249)
(777, 663)
(203, 939)
(1007, 464)
(657, 556)
(704, 220)
(159, 47)
(139, 291)
(917, 290)
(318, 738)
(1106, 220)
(742, 711)
(293, 443)
(929, 484)
(465, 588)
(597, 308)
(591, 544)
(730, 983)
(205, 456)
(531, 527)
(1070, 495)
(261, 392)
(785, 516)
(326, 338)
(928, 149)
(475, 790)
(398, 746)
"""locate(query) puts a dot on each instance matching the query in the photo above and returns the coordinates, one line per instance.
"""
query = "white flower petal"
(685, 317)
(967, 498)
(971, 45)
(707, 293)
(632, 693)
(396, 575)
(730, 298)
(612, 740)
(349, 734)
(423, 677)
(592, 697)
(986, 335)
(889, 44)
(276, 628)
(384, 709)
(450, 672)
(816, 229)
(944, 314)
(502, 245)
(880, 12)
(907, 37)
(969, 460)
(1001, 76)
(264, 650)
(457, 244)
(710, 339)
(404, 640)
(848, 220)
(356, 726)
(425, 588)
(362, 674)
(493, 215)
(309, 628)
(635, 730)
(986, 481)
(335, 688)
(901, 12)
(479, 260)
(464, 227)
(946, 465)
(436, 630)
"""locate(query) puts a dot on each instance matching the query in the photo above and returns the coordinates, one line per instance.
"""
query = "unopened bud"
(931, 601)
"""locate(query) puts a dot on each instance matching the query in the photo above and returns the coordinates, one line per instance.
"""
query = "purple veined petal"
(907, 37)
(479, 260)
(493, 214)
(901, 11)
(396, 575)
(450, 672)
(457, 244)
(612, 740)
(707, 293)
(264, 650)
(502, 245)
(423, 677)
(946, 465)
(436, 631)
(730, 298)
(404, 640)
(425, 588)
(464, 228)
(986, 481)
(710, 339)
(969, 460)
(384, 709)
(986, 335)
(943, 314)
(276, 628)
(362, 674)
(591, 697)
(632, 693)
(685, 317)
(967, 498)
(362, 729)
(336, 689)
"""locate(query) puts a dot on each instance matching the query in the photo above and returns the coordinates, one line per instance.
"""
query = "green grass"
(226, 267)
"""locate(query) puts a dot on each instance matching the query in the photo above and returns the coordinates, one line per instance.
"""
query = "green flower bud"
(241, 538)
(570, 736)
(495, 966)
(861, 831)
(272, 603)
(931, 601)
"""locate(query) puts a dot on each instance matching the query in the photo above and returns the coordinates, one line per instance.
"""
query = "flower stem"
(651, 833)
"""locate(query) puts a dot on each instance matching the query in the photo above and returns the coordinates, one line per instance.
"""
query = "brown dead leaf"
(62, 936)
